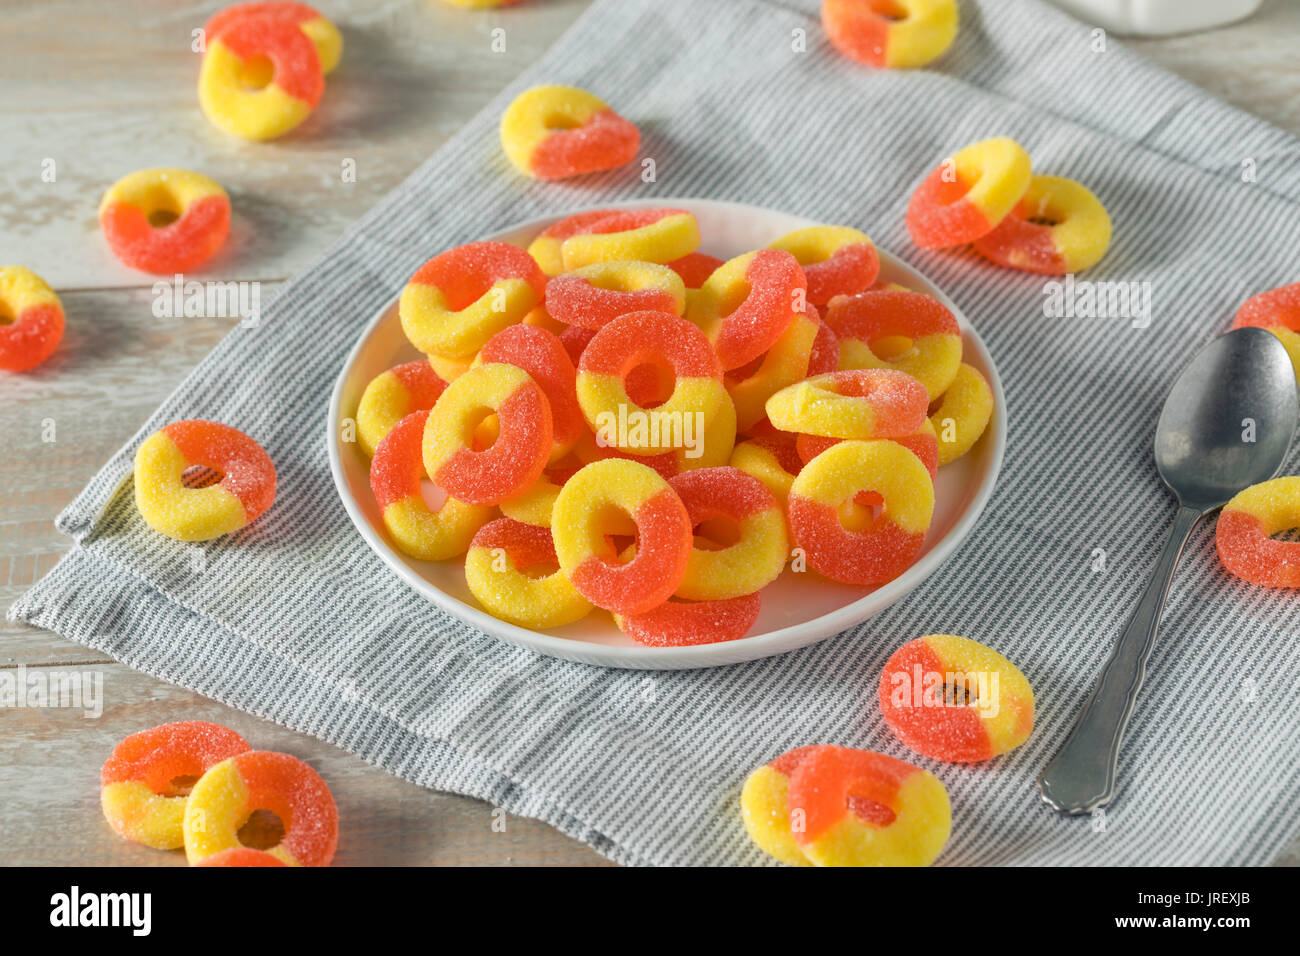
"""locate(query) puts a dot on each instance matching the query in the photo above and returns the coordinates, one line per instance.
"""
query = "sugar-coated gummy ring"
(593, 504)
(963, 413)
(685, 623)
(391, 396)
(632, 235)
(31, 319)
(224, 798)
(807, 347)
(887, 546)
(920, 322)
(237, 55)
(542, 355)
(757, 556)
(695, 268)
(1244, 536)
(597, 294)
(766, 811)
(241, 856)
(460, 298)
(955, 699)
(418, 530)
(144, 782)
(1277, 310)
(714, 449)
(589, 448)
(320, 30)
(246, 487)
(924, 445)
(772, 459)
(745, 305)
(860, 808)
(836, 260)
(535, 505)
(969, 194)
(891, 33)
(546, 247)
(496, 570)
(1058, 226)
(575, 341)
(856, 403)
(192, 212)
(553, 132)
(523, 445)
(636, 339)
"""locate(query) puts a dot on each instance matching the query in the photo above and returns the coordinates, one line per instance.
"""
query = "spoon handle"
(1081, 777)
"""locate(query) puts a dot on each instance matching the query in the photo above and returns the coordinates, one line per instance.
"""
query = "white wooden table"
(105, 88)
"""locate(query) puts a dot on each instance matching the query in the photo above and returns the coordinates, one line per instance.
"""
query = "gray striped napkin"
(743, 100)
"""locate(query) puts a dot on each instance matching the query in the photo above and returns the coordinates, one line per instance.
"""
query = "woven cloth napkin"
(296, 620)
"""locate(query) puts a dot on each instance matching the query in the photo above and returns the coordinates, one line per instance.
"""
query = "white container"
(1153, 18)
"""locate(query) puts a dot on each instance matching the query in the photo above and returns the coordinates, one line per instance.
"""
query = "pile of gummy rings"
(200, 786)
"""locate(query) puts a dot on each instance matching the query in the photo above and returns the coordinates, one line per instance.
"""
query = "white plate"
(798, 609)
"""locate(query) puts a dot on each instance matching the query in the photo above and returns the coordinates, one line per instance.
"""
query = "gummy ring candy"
(547, 247)
(236, 59)
(745, 305)
(963, 413)
(418, 530)
(854, 403)
(245, 489)
(888, 318)
(836, 260)
(599, 293)
(191, 211)
(765, 809)
(924, 445)
(757, 556)
(1246, 528)
(1277, 310)
(1058, 226)
(146, 778)
(632, 235)
(891, 33)
(589, 507)
(716, 444)
(968, 195)
(31, 319)
(542, 356)
(449, 369)
(807, 347)
(575, 340)
(695, 268)
(496, 570)
(229, 793)
(241, 856)
(324, 35)
(655, 338)
(535, 505)
(772, 459)
(860, 808)
(391, 396)
(887, 546)
(523, 445)
(952, 698)
(553, 132)
(460, 298)
(685, 623)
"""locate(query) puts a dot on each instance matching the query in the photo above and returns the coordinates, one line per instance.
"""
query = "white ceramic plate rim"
(701, 655)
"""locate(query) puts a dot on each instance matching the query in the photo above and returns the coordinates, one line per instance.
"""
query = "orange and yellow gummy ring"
(695, 268)
(422, 532)
(230, 792)
(164, 220)
(553, 132)
(1059, 226)
(924, 444)
(855, 403)
(547, 248)
(955, 699)
(1244, 537)
(771, 458)
(1277, 310)
(745, 305)
(969, 194)
(886, 317)
(245, 488)
(631, 235)
(807, 347)
(392, 395)
(886, 546)
(460, 298)
(541, 354)
(145, 780)
(685, 623)
(512, 570)
(836, 260)
(241, 856)
(594, 295)
(31, 319)
(319, 29)
(596, 503)
(241, 96)
(963, 413)
(891, 33)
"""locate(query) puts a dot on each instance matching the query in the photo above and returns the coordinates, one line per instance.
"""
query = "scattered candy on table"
(891, 33)
(1247, 524)
(318, 28)
(1277, 310)
(31, 319)
(554, 132)
(1057, 227)
(165, 220)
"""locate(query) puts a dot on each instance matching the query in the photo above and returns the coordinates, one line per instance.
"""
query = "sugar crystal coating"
(836, 260)
(745, 305)
(685, 623)
(866, 323)
(37, 319)
(1057, 227)
(963, 413)
(324, 35)
(542, 355)
(392, 395)
(594, 295)
(966, 196)
(554, 132)
(291, 93)
(199, 210)
(891, 33)
(1277, 310)
(497, 568)
(1247, 524)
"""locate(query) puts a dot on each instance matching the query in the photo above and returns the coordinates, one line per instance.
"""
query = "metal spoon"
(1241, 385)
